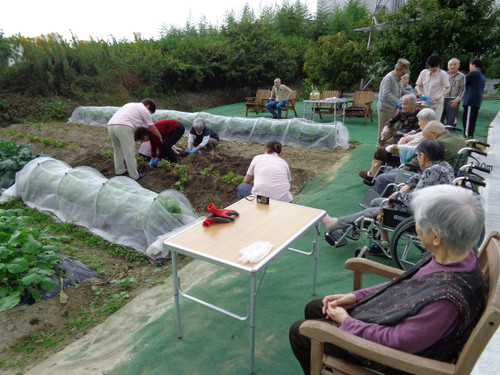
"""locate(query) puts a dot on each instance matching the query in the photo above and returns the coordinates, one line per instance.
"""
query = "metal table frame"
(324, 101)
(248, 213)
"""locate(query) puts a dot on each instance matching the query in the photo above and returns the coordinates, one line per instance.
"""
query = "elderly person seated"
(434, 171)
(270, 174)
(429, 310)
(412, 138)
(280, 95)
(406, 118)
(202, 137)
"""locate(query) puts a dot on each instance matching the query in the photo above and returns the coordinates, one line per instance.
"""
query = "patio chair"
(258, 102)
(321, 332)
(327, 108)
(290, 106)
(360, 105)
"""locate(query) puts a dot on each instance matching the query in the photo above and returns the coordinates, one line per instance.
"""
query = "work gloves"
(219, 215)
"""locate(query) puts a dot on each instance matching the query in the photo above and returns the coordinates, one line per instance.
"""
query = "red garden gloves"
(219, 215)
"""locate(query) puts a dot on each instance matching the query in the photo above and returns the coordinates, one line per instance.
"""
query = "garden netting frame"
(296, 131)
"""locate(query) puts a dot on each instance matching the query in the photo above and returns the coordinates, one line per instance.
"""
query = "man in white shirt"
(121, 130)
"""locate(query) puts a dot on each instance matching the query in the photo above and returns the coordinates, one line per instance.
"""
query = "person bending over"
(162, 135)
(121, 131)
(270, 175)
(431, 309)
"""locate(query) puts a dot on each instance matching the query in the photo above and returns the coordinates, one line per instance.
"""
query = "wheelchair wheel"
(405, 246)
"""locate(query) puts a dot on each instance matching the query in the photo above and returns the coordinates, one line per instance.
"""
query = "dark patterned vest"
(403, 297)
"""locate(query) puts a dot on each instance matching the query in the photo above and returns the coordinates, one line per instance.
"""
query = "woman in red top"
(163, 135)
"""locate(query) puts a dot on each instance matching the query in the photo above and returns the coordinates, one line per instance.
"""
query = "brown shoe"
(364, 176)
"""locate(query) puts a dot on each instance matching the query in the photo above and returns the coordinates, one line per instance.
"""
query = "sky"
(104, 19)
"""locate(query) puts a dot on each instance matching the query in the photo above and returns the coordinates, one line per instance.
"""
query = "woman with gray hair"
(202, 137)
(431, 309)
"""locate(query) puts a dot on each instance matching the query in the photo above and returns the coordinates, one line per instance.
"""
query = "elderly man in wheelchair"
(434, 171)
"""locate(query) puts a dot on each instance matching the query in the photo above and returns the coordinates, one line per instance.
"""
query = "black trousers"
(172, 139)
(301, 345)
(469, 119)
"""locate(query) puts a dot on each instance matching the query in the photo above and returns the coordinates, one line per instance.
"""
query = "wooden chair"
(258, 102)
(290, 106)
(326, 107)
(360, 105)
(321, 332)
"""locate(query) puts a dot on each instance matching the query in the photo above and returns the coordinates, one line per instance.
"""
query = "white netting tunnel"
(297, 131)
(117, 209)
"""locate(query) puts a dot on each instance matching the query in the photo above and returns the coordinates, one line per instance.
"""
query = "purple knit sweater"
(416, 333)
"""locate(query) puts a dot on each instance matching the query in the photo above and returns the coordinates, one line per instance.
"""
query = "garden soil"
(89, 145)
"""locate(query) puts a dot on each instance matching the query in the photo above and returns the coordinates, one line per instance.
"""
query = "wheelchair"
(405, 248)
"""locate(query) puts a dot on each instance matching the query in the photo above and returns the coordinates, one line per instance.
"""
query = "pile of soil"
(89, 145)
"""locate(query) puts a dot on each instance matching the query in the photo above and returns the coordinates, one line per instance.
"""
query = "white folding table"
(279, 223)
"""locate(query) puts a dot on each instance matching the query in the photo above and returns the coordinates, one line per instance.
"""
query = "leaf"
(18, 238)
(32, 278)
(36, 294)
(5, 252)
(48, 284)
(18, 265)
(32, 246)
(9, 302)
(63, 297)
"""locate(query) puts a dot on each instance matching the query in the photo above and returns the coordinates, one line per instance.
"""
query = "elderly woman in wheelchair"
(434, 171)
(429, 310)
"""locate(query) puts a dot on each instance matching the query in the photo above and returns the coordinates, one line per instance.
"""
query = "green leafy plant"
(107, 153)
(25, 264)
(181, 170)
(230, 177)
(12, 159)
(205, 171)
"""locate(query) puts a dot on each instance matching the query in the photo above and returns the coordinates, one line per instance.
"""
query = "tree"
(337, 62)
(448, 28)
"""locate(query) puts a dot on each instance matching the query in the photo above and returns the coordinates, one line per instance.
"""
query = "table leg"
(253, 295)
(176, 295)
(316, 259)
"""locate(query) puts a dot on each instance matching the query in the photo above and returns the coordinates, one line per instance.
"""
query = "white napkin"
(254, 252)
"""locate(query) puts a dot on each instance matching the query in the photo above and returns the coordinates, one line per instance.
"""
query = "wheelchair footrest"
(334, 238)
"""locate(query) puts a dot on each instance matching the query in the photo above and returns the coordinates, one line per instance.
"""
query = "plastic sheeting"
(117, 209)
(297, 131)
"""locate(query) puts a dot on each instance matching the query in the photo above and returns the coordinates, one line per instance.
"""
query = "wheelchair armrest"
(411, 167)
(361, 266)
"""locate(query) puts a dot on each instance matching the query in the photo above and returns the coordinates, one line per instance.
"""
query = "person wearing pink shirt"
(270, 175)
(434, 83)
(431, 309)
(121, 131)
